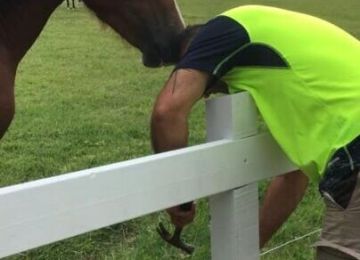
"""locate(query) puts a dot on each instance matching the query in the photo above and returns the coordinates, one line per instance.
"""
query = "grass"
(84, 99)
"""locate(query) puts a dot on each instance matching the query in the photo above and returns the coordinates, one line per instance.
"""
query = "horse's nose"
(158, 56)
(162, 52)
(151, 60)
(169, 50)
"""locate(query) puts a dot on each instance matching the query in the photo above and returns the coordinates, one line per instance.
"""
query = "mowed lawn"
(84, 99)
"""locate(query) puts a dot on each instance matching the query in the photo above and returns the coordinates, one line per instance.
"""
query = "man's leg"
(282, 197)
(341, 191)
(341, 226)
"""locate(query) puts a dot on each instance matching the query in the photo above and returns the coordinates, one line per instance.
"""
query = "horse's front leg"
(73, 4)
(7, 99)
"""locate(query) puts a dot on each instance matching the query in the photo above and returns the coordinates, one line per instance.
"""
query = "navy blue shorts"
(340, 176)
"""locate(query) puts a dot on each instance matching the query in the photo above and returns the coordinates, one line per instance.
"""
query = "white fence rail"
(44, 211)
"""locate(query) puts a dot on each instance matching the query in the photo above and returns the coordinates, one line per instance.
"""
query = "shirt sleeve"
(216, 42)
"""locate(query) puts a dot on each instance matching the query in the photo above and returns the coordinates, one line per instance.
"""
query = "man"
(304, 76)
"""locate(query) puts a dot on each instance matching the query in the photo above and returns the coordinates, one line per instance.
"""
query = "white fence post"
(234, 214)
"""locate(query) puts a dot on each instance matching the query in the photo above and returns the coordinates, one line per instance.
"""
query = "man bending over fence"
(304, 76)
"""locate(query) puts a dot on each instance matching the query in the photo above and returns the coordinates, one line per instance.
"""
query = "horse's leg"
(67, 4)
(73, 4)
(7, 100)
(16, 38)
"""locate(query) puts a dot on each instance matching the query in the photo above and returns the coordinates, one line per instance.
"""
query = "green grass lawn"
(84, 99)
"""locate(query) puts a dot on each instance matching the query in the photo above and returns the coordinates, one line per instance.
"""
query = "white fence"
(226, 170)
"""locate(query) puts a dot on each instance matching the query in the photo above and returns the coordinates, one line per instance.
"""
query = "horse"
(72, 4)
(152, 26)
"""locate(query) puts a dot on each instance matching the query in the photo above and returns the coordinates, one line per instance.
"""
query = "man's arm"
(169, 127)
(283, 195)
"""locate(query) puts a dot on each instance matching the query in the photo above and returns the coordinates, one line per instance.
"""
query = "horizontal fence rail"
(48, 210)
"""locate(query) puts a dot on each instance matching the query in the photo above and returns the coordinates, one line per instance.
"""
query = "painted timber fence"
(226, 169)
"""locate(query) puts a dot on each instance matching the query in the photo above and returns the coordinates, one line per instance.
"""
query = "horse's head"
(153, 26)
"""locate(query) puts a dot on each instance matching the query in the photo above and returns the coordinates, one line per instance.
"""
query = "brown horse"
(152, 26)
(70, 4)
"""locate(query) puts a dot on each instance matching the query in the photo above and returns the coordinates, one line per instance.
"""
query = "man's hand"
(179, 217)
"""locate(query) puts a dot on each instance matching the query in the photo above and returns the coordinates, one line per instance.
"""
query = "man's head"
(187, 36)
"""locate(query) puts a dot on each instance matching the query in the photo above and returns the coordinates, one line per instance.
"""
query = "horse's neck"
(21, 22)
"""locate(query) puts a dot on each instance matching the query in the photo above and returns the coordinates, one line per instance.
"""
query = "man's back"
(303, 73)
